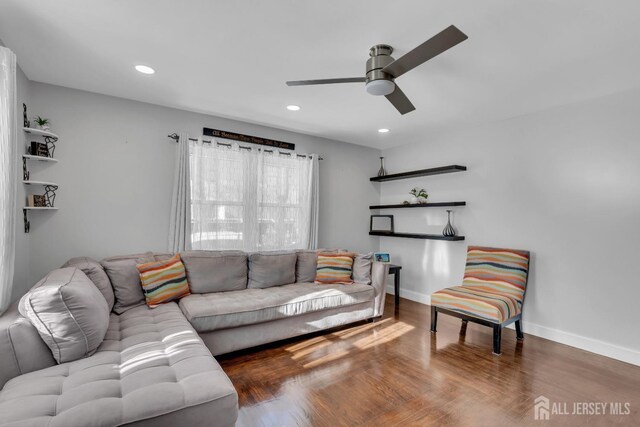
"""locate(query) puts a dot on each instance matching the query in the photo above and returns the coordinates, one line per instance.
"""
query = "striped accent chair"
(492, 291)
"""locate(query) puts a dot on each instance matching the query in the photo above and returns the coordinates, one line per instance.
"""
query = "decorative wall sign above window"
(247, 138)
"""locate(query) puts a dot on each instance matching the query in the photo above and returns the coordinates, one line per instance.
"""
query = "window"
(250, 200)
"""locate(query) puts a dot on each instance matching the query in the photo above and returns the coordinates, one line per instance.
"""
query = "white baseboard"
(589, 344)
(578, 341)
(412, 295)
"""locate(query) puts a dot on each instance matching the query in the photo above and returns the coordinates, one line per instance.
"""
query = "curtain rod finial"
(174, 136)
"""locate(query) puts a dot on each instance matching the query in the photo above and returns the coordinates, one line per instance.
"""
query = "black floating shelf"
(417, 236)
(419, 205)
(421, 172)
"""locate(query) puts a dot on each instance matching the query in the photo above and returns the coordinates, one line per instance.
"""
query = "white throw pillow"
(69, 312)
(362, 268)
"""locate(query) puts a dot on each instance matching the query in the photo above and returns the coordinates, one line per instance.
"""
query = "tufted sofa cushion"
(150, 364)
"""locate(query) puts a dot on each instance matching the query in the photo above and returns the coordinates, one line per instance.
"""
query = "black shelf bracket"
(25, 171)
(27, 224)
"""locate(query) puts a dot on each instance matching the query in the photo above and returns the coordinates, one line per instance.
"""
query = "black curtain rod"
(175, 137)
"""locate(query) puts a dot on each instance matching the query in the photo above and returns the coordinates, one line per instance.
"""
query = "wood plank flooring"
(395, 372)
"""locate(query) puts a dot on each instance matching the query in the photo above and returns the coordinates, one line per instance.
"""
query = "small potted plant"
(42, 123)
(419, 195)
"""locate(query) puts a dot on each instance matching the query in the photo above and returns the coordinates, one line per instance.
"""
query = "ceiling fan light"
(380, 87)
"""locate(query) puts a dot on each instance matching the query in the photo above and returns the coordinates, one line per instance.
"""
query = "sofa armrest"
(379, 274)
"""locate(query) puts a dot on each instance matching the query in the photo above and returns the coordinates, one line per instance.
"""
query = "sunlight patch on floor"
(359, 329)
(327, 358)
(373, 337)
(310, 349)
(384, 335)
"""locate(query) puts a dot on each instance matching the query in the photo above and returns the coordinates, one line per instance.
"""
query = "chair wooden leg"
(434, 318)
(519, 333)
(463, 327)
(497, 337)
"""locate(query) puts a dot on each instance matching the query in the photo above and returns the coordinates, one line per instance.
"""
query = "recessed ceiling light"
(293, 107)
(383, 130)
(144, 69)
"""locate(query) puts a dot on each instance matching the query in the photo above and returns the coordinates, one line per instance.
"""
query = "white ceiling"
(231, 58)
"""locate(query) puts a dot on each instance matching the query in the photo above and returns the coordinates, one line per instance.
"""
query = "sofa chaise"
(155, 366)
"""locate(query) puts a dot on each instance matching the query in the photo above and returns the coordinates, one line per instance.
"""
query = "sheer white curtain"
(251, 200)
(8, 172)
(180, 223)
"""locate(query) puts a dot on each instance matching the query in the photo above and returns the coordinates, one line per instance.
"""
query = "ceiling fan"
(382, 69)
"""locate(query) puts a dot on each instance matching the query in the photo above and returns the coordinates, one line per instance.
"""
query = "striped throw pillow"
(334, 268)
(163, 281)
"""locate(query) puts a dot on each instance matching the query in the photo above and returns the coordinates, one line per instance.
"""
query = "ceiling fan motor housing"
(382, 69)
(379, 82)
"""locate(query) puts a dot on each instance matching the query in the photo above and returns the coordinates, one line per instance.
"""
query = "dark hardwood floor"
(395, 372)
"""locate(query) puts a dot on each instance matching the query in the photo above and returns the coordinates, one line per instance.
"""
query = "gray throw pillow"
(69, 312)
(268, 269)
(362, 268)
(306, 266)
(95, 272)
(215, 271)
(125, 278)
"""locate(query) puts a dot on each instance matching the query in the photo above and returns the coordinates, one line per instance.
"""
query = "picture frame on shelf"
(381, 223)
(39, 149)
(36, 201)
(383, 257)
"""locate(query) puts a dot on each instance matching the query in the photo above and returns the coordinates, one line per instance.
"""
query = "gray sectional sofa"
(155, 366)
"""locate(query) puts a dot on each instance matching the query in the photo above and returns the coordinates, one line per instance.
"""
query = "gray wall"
(116, 175)
(564, 184)
(21, 277)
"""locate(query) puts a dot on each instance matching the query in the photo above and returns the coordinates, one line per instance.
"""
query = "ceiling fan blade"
(400, 101)
(444, 40)
(326, 81)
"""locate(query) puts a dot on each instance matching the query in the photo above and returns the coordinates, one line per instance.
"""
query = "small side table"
(395, 270)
